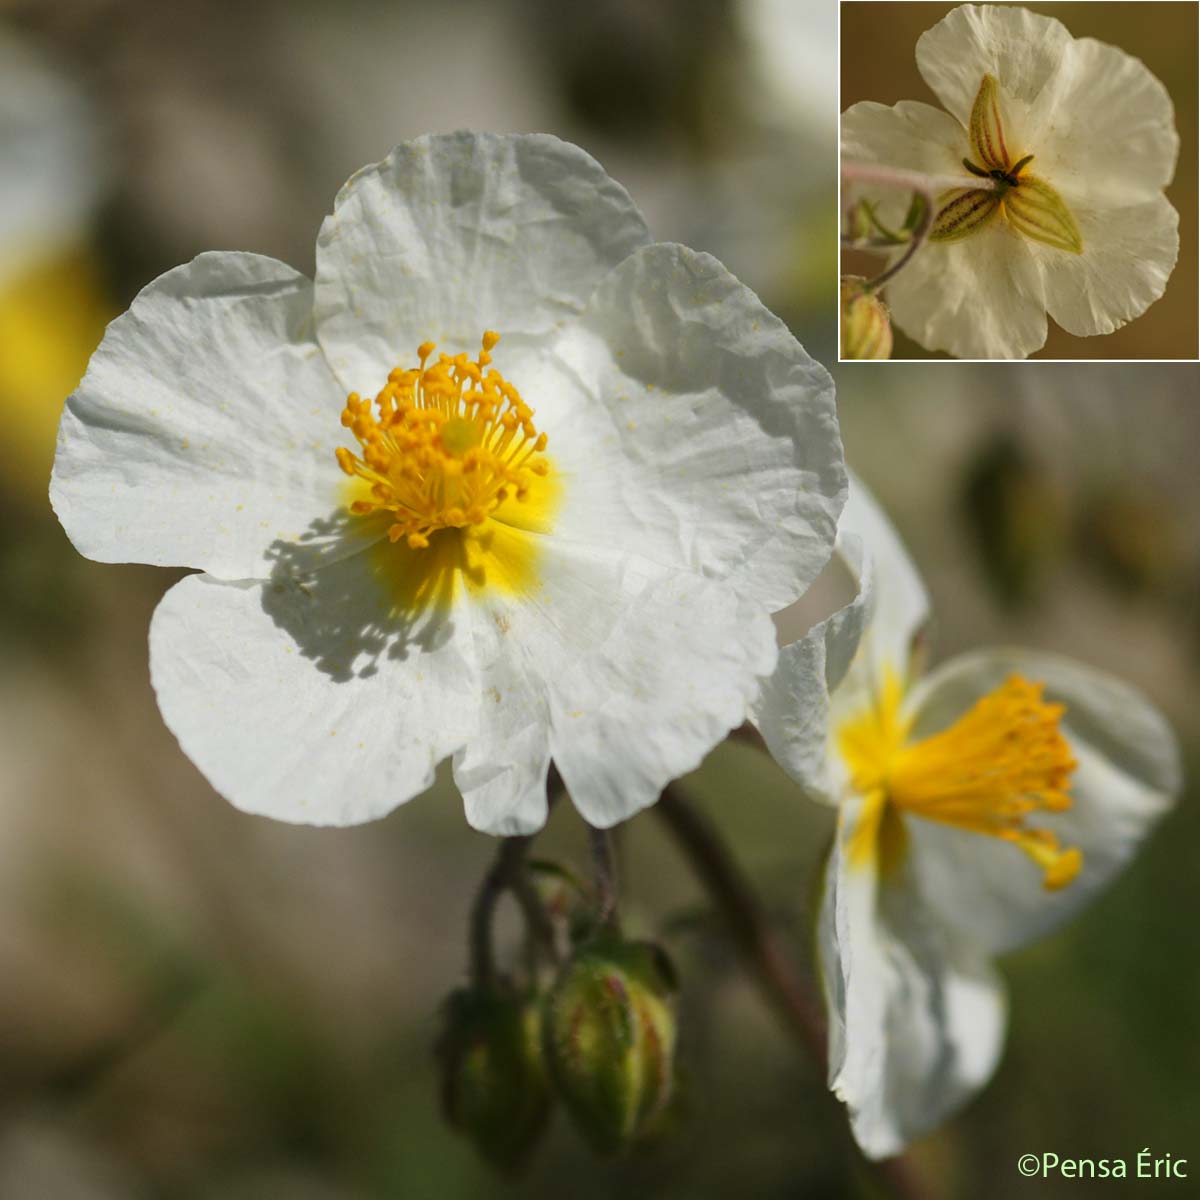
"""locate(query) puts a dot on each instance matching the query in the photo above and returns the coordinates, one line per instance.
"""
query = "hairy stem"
(604, 872)
(508, 863)
(508, 873)
(782, 983)
(925, 186)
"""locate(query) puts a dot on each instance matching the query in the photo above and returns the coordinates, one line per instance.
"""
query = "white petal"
(203, 433)
(1105, 128)
(982, 297)
(909, 135)
(1128, 255)
(454, 234)
(916, 1019)
(837, 668)
(636, 672)
(1023, 50)
(1128, 775)
(899, 611)
(720, 451)
(304, 700)
(792, 711)
(502, 771)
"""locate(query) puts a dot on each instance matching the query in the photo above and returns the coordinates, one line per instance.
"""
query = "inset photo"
(1019, 180)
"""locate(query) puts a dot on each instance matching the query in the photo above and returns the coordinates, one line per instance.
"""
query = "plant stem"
(508, 862)
(605, 875)
(782, 983)
(507, 872)
(925, 186)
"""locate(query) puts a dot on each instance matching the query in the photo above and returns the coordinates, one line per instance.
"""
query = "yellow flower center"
(449, 442)
(998, 764)
(1028, 203)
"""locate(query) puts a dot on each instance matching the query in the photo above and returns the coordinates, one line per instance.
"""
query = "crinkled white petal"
(838, 667)
(1023, 50)
(632, 672)
(792, 711)
(909, 135)
(718, 451)
(899, 609)
(1104, 129)
(203, 433)
(454, 234)
(1128, 775)
(916, 1016)
(1128, 256)
(982, 297)
(303, 700)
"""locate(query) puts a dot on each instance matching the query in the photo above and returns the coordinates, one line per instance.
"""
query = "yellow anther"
(1001, 762)
(447, 446)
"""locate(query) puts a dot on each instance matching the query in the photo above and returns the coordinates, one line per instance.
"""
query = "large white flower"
(1078, 140)
(581, 570)
(52, 304)
(979, 807)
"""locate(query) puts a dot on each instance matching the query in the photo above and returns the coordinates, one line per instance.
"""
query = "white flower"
(579, 571)
(49, 159)
(52, 305)
(1079, 139)
(979, 807)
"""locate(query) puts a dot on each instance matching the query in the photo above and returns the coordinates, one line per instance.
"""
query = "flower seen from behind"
(1072, 142)
(506, 483)
(979, 806)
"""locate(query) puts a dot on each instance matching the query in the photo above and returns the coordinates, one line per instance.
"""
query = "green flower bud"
(494, 1086)
(866, 328)
(609, 1031)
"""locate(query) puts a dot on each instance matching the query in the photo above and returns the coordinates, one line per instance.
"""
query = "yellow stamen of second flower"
(988, 773)
(449, 442)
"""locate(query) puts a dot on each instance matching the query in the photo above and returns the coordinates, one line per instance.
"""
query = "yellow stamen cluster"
(1002, 761)
(449, 443)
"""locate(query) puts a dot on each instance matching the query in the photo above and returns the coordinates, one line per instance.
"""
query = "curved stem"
(508, 862)
(925, 186)
(507, 872)
(782, 983)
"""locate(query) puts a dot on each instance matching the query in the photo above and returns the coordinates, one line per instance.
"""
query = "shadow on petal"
(349, 598)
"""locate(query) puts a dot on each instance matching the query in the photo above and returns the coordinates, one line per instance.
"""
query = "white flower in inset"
(581, 570)
(1077, 139)
(978, 807)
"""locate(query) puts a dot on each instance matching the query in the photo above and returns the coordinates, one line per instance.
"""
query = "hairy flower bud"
(494, 1086)
(866, 328)
(609, 1033)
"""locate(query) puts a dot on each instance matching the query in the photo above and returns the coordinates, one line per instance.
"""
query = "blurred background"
(198, 1004)
(878, 62)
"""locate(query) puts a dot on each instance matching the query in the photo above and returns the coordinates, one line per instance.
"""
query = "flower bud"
(494, 1086)
(609, 1031)
(866, 329)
